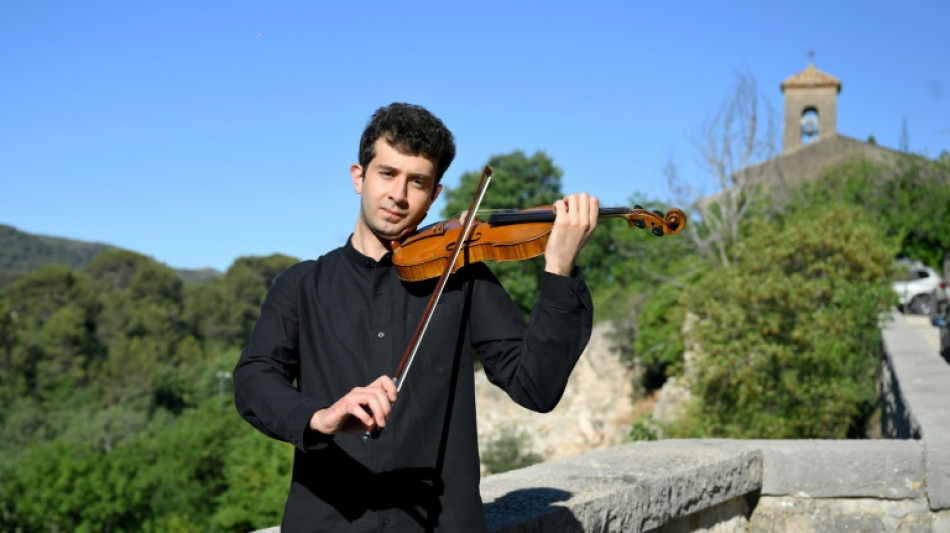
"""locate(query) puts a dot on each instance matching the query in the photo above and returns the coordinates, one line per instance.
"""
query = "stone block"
(636, 487)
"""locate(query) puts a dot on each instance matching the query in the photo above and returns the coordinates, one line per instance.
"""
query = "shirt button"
(380, 334)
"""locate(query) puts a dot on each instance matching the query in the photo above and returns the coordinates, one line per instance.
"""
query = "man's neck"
(367, 243)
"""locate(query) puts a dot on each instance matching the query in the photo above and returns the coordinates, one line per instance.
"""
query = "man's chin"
(393, 234)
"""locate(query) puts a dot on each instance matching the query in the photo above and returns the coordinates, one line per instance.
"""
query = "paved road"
(923, 326)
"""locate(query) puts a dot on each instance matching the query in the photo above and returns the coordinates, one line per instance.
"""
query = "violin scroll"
(672, 222)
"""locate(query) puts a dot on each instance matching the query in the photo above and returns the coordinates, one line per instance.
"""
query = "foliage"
(113, 413)
(508, 451)
(255, 465)
(22, 253)
(646, 429)
(167, 480)
(224, 311)
(910, 200)
(518, 182)
(788, 339)
(635, 278)
(658, 342)
(47, 335)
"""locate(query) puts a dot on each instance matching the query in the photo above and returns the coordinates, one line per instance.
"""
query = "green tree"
(140, 297)
(168, 479)
(142, 324)
(48, 335)
(258, 466)
(113, 270)
(909, 199)
(518, 182)
(788, 339)
(224, 311)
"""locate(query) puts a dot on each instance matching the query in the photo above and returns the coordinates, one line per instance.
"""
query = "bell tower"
(811, 99)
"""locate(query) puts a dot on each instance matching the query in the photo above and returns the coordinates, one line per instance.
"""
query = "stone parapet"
(635, 487)
(721, 486)
(916, 387)
(882, 469)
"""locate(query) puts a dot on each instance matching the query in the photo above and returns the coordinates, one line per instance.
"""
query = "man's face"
(396, 191)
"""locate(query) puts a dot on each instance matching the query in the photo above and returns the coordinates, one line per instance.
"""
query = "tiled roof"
(811, 77)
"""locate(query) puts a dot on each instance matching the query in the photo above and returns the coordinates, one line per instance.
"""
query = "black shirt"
(342, 321)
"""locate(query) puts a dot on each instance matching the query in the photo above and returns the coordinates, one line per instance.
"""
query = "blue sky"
(197, 132)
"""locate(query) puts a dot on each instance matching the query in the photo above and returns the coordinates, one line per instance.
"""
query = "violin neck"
(546, 215)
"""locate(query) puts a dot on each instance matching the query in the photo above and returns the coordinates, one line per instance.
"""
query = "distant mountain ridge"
(22, 253)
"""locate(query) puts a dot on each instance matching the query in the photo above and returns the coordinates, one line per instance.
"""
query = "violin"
(509, 235)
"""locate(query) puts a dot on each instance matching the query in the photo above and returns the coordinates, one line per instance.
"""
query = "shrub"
(789, 336)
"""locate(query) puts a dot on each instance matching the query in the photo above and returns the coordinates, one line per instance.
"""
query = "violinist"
(318, 369)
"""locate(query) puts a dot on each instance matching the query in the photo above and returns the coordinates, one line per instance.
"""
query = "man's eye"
(420, 183)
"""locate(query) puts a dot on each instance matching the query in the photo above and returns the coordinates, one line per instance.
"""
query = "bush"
(788, 337)
(507, 452)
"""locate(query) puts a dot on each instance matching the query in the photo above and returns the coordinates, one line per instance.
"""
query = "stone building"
(811, 107)
(810, 138)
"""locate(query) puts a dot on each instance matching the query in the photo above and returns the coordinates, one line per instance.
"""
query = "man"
(332, 331)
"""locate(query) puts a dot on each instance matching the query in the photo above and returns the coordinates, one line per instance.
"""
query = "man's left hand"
(575, 220)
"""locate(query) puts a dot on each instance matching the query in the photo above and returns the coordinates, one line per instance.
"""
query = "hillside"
(22, 253)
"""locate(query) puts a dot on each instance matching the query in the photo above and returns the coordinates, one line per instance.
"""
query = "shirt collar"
(364, 260)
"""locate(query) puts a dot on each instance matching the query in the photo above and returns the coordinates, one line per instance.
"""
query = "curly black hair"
(412, 130)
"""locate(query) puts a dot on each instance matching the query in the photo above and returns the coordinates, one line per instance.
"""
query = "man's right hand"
(362, 409)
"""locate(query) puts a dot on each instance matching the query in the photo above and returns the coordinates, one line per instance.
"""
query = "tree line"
(115, 400)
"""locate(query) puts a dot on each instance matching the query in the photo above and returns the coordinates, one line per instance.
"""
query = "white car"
(921, 290)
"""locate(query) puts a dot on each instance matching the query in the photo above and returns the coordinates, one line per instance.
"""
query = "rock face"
(595, 412)
(675, 394)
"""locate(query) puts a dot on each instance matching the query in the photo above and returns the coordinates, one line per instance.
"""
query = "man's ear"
(356, 173)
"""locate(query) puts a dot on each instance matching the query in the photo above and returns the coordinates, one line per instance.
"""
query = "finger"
(388, 385)
(368, 404)
(575, 211)
(360, 411)
(572, 211)
(594, 212)
(570, 208)
(377, 400)
(583, 209)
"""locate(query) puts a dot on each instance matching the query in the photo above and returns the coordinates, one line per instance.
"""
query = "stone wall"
(721, 486)
(635, 487)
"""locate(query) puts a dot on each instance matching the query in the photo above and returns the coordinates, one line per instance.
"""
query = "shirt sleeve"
(532, 362)
(264, 390)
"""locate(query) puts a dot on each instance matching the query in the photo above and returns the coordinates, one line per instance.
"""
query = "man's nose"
(398, 192)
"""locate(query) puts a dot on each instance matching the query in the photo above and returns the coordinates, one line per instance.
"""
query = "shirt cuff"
(566, 291)
(304, 438)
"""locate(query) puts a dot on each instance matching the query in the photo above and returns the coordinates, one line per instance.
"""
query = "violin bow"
(403, 370)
